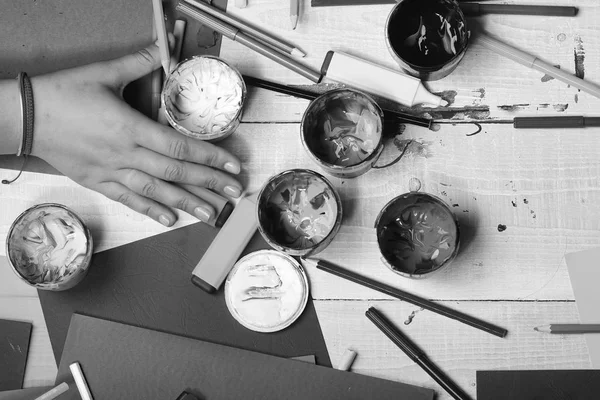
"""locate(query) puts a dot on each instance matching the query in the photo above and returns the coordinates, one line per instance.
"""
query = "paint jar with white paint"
(49, 247)
(417, 234)
(266, 291)
(427, 38)
(342, 132)
(204, 97)
(299, 212)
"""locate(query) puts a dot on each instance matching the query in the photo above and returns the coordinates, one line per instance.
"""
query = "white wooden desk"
(542, 184)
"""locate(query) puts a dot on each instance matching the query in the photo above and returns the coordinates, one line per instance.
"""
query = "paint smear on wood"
(579, 55)
(547, 77)
(412, 147)
(560, 107)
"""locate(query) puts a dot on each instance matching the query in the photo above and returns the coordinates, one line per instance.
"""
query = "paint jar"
(203, 98)
(342, 131)
(417, 234)
(49, 247)
(299, 212)
(427, 38)
(266, 291)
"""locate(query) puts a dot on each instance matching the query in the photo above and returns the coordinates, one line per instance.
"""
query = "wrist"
(11, 122)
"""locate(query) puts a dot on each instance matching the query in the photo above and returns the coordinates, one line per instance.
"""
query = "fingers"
(159, 191)
(158, 212)
(168, 142)
(133, 66)
(184, 172)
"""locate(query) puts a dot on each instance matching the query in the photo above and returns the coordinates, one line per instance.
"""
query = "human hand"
(84, 129)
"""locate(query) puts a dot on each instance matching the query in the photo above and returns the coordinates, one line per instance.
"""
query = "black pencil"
(415, 354)
(305, 94)
(409, 297)
(567, 121)
(569, 328)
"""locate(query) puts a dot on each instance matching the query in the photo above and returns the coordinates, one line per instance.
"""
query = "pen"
(533, 62)
(161, 33)
(267, 38)
(409, 297)
(305, 94)
(475, 9)
(415, 354)
(237, 35)
(575, 121)
(569, 328)
(294, 12)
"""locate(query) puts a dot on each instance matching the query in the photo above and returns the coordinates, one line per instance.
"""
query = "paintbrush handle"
(474, 9)
(569, 121)
(532, 61)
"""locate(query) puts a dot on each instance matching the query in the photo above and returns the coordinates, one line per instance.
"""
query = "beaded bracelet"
(27, 114)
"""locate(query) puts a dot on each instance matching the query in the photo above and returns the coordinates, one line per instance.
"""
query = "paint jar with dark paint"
(427, 38)
(299, 212)
(342, 131)
(417, 234)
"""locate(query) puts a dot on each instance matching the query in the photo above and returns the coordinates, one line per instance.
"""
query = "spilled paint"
(514, 107)
(448, 95)
(579, 55)
(576, 98)
(456, 113)
(412, 316)
(547, 77)
(414, 185)
(415, 148)
(501, 228)
(206, 38)
(514, 204)
(560, 107)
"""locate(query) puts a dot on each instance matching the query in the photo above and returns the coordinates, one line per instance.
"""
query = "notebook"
(14, 346)
(125, 362)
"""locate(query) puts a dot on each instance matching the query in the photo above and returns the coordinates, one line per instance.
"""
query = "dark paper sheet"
(14, 345)
(538, 385)
(24, 394)
(45, 36)
(147, 283)
(125, 362)
(334, 3)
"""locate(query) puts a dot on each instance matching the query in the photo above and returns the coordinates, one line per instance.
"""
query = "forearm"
(10, 117)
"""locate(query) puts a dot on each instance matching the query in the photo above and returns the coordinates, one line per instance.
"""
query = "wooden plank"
(457, 349)
(485, 86)
(41, 368)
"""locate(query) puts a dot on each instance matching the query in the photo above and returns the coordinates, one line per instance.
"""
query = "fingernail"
(232, 191)
(203, 213)
(164, 220)
(232, 168)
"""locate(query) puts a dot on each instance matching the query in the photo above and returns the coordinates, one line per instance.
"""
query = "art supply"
(249, 30)
(204, 98)
(161, 34)
(266, 291)
(187, 396)
(178, 33)
(347, 360)
(585, 275)
(569, 328)
(305, 94)
(241, 3)
(55, 392)
(402, 295)
(23, 394)
(249, 41)
(417, 234)
(415, 354)
(427, 38)
(82, 386)
(299, 212)
(49, 247)
(294, 12)
(342, 132)
(567, 121)
(533, 62)
(476, 9)
(227, 246)
(14, 347)
(152, 363)
(571, 384)
(375, 79)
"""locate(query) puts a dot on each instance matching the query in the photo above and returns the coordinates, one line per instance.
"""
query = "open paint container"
(417, 234)
(266, 291)
(342, 131)
(427, 38)
(299, 212)
(203, 98)
(49, 247)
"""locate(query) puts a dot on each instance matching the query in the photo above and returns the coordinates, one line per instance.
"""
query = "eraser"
(227, 246)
